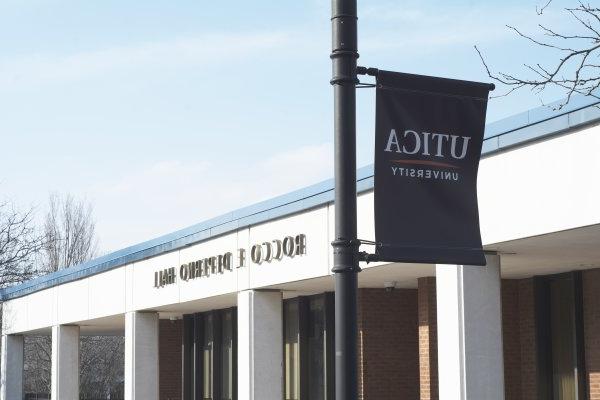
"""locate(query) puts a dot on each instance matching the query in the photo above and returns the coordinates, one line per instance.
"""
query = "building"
(240, 306)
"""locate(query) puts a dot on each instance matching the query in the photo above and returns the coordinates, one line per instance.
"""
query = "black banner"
(429, 133)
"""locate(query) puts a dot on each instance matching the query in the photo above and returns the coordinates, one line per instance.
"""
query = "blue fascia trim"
(517, 130)
(537, 115)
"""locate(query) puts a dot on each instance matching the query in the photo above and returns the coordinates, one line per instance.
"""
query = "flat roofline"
(517, 130)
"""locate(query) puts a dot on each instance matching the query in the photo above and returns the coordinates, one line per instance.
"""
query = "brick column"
(428, 340)
(591, 318)
(388, 344)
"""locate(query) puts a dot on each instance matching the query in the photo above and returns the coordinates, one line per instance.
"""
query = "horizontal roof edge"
(537, 115)
(500, 135)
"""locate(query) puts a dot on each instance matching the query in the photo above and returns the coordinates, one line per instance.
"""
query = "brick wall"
(591, 326)
(527, 336)
(511, 339)
(518, 336)
(388, 344)
(428, 339)
(519, 339)
(169, 355)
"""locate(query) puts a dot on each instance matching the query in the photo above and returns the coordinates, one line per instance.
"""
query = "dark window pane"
(227, 356)
(316, 349)
(564, 354)
(207, 357)
(292, 350)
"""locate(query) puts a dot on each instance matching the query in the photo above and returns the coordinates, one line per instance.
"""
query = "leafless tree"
(19, 245)
(577, 69)
(69, 240)
(69, 231)
(38, 361)
(102, 363)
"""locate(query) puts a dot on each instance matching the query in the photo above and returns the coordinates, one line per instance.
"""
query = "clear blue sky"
(165, 113)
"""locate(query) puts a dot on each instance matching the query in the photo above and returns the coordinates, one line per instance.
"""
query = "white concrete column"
(11, 367)
(260, 345)
(65, 362)
(141, 356)
(469, 323)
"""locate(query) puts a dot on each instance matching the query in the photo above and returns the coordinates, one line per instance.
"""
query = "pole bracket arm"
(367, 71)
(368, 257)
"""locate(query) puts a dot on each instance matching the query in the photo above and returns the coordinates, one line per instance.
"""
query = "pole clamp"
(346, 251)
(345, 77)
(345, 243)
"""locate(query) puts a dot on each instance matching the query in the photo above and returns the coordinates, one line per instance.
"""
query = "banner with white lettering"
(429, 133)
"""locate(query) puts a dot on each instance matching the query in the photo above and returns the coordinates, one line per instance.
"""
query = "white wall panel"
(41, 309)
(243, 274)
(129, 287)
(107, 293)
(545, 187)
(312, 264)
(73, 302)
(14, 317)
(145, 295)
(366, 228)
(215, 284)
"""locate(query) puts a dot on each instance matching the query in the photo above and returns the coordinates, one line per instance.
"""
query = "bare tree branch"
(572, 72)
(69, 231)
(19, 245)
(541, 10)
(69, 240)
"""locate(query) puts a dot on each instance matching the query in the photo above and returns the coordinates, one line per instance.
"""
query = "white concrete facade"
(11, 365)
(260, 364)
(141, 356)
(469, 331)
(65, 362)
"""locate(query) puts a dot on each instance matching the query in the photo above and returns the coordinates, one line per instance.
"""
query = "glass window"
(210, 352)
(564, 355)
(207, 358)
(308, 348)
(227, 355)
(316, 349)
(559, 324)
(292, 350)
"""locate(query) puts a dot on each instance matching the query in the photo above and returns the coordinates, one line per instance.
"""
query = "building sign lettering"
(270, 251)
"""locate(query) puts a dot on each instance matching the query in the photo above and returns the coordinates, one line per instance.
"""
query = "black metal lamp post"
(345, 247)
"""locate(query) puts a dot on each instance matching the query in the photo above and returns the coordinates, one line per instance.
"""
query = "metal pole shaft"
(345, 247)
